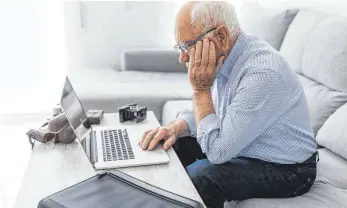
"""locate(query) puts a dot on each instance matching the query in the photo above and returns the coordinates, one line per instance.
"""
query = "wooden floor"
(14, 153)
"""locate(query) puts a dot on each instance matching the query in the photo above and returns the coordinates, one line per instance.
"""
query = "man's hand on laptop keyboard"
(152, 137)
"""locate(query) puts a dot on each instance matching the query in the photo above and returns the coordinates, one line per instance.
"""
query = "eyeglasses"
(185, 47)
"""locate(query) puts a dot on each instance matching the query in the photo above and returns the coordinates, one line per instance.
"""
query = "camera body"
(132, 113)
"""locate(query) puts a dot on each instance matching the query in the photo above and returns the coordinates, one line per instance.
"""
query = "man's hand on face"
(152, 137)
(203, 65)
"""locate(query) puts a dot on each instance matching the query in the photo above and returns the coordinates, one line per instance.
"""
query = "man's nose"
(184, 58)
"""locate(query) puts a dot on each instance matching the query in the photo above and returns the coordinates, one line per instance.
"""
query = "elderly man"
(248, 135)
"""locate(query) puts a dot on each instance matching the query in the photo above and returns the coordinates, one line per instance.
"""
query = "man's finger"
(192, 57)
(169, 142)
(144, 136)
(212, 54)
(205, 52)
(198, 51)
(191, 62)
(148, 139)
(158, 136)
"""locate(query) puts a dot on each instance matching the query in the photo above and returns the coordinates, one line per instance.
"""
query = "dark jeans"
(243, 178)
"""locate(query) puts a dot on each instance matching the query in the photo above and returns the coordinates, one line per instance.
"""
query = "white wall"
(19, 45)
(32, 54)
(110, 27)
(73, 35)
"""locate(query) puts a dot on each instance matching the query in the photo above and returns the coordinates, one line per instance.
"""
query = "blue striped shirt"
(261, 109)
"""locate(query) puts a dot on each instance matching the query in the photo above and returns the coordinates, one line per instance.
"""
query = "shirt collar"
(236, 52)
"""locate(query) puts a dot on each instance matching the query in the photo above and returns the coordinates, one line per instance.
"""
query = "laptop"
(107, 147)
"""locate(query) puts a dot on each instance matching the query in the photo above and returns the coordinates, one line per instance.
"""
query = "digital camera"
(132, 113)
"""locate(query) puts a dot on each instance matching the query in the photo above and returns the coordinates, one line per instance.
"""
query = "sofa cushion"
(312, 51)
(329, 189)
(320, 196)
(322, 101)
(172, 108)
(108, 89)
(325, 55)
(152, 60)
(298, 33)
(333, 134)
(332, 169)
(269, 24)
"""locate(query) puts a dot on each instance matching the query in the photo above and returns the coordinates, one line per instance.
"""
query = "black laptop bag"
(115, 189)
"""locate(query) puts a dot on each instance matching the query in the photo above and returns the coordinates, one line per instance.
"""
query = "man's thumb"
(220, 61)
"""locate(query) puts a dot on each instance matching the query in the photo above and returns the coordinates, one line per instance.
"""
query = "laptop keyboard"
(116, 145)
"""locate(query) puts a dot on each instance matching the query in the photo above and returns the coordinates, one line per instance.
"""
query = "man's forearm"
(203, 105)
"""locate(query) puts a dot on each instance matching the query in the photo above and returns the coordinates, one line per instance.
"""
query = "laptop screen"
(75, 114)
(72, 106)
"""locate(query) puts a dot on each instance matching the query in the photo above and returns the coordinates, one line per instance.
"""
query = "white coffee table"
(55, 167)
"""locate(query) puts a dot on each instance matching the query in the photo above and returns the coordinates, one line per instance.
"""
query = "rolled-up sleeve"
(189, 117)
(252, 109)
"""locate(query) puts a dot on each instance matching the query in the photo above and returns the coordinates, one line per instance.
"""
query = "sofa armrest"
(152, 60)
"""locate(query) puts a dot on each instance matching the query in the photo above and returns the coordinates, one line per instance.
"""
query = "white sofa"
(314, 44)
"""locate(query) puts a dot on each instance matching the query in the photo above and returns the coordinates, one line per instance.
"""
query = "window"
(33, 55)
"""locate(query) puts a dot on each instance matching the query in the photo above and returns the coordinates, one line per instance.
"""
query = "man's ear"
(222, 33)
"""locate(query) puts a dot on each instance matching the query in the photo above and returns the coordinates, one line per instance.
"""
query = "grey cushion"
(298, 33)
(320, 196)
(172, 108)
(295, 40)
(152, 60)
(322, 101)
(333, 134)
(325, 56)
(332, 169)
(269, 24)
(108, 89)
(311, 50)
(329, 189)
(230, 204)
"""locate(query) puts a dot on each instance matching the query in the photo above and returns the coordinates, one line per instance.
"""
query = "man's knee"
(203, 173)
(200, 172)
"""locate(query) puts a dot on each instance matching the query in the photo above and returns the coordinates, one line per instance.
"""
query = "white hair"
(214, 13)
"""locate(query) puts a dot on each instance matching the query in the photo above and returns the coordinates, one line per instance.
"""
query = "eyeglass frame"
(185, 47)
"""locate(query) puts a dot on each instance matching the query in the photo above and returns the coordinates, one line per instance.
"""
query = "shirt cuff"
(206, 126)
(188, 116)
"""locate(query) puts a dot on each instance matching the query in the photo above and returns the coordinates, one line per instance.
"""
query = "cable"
(59, 130)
